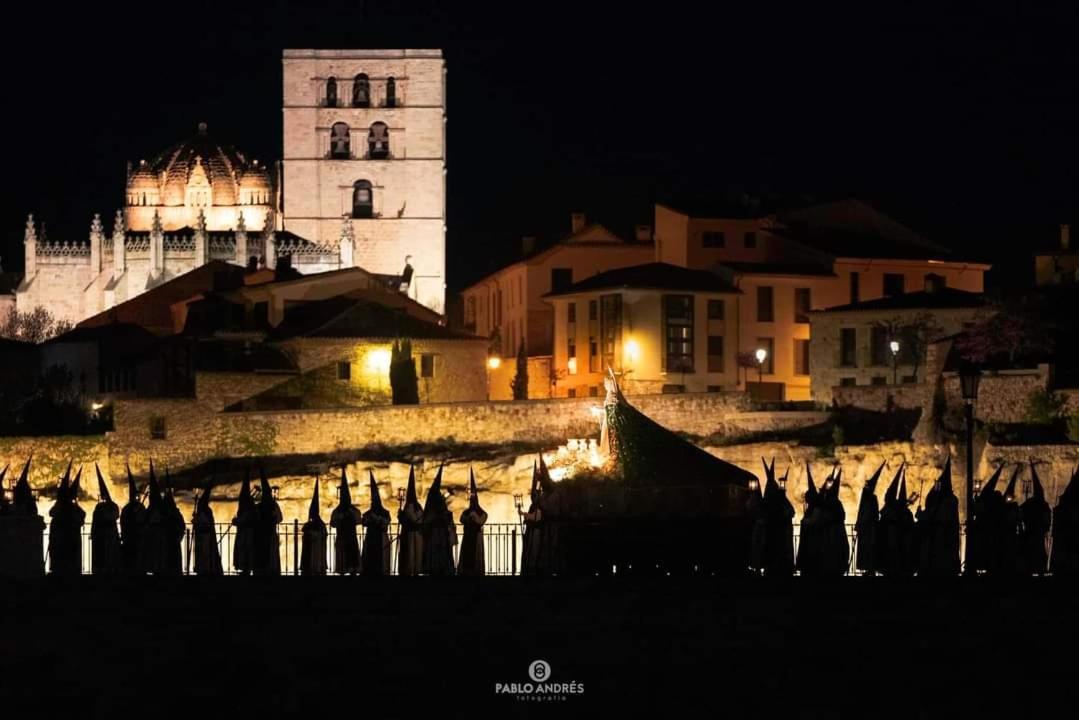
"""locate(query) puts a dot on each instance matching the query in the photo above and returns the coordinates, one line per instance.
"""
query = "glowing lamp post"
(762, 355)
(494, 362)
(894, 347)
(969, 377)
(400, 498)
(631, 352)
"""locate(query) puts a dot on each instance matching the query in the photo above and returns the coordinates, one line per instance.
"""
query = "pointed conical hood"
(344, 495)
(944, 482)
(204, 497)
(3, 473)
(65, 484)
(534, 492)
(434, 497)
(1009, 492)
(132, 491)
(901, 497)
(991, 484)
(23, 496)
(871, 483)
(410, 495)
(264, 486)
(836, 482)
(892, 493)
(811, 491)
(75, 486)
(313, 508)
(769, 475)
(102, 488)
(376, 499)
(154, 488)
(473, 493)
(544, 475)
(245, 503)
(1036, 482)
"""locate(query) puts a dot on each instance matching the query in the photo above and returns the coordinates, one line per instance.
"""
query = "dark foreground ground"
(257, 648)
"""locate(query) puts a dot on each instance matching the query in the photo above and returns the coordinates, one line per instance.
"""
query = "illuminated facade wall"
(639, 346)
(350, 151)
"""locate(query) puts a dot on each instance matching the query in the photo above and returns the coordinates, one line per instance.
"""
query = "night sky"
(961, 123)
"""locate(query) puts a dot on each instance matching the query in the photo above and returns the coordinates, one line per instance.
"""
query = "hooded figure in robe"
(866, 525)
(246, 523)
(439, 532)
(1037, 518)
(983, 540)
(106, 556)
(267, 541)
(154, 548)
(376, 537)
(21, 532)
(532, 541)
(410, 540)
(132, 519)
(809, 536)
(344, 519)
(65, 529)
(552, 553)
(471, 561)
(313, 554)
(207, 552)
(835, 545)
(940, 528)
(175, 528)
(779, 536)
(758, 524)
(1065, 558)
(895, 536)
(1009, 541)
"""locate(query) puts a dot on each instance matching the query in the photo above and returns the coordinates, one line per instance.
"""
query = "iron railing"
(502, 547)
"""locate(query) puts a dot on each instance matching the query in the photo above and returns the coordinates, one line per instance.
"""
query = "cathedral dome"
(222, 165)
(255, 184)
(142, 186)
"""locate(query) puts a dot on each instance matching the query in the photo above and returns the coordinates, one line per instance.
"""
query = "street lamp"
(969, 377)
(762, 355)
(400, 498)
(894, 347)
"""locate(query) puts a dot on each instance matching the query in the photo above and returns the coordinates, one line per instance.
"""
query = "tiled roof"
(651, 276)
(355, 317)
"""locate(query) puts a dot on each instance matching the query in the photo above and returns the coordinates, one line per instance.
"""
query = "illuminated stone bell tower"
(365, 143)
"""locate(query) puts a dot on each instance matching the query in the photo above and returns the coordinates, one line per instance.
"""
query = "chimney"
(577, 221)
(643, 233)
(528, 245)
(1065, 237)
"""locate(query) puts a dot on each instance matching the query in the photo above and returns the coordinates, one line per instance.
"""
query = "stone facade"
(331, 157)
(829, 369)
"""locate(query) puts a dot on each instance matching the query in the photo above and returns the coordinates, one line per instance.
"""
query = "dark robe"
(246, 524)
(552, 557)
(779, 538)
(758, 533)
(810, 535)
(1010, 540)
(344, 520)
(376, 542)
(410, 540)
(21, 532)
(65, 538)
(207, 552)
(313, 555)
(940, 534)
(1065, 558)
(983, 539)
(1037, 518)
(132, 520)
(835, 544)
(106, 552)
(439, 537)
(896, 538)
(267, 546)
(174, 527)
(866, 525)
(471, 561)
